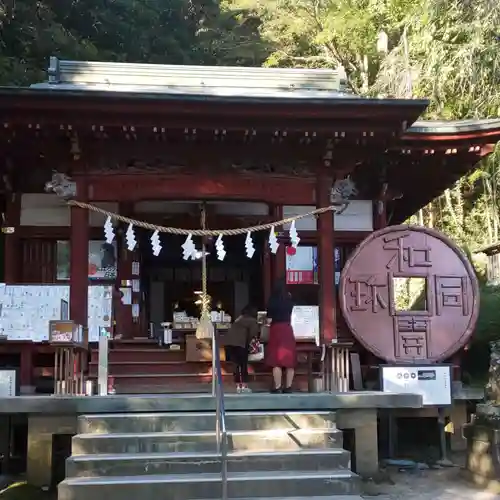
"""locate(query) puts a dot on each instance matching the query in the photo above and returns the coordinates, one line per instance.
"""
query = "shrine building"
(248, 146)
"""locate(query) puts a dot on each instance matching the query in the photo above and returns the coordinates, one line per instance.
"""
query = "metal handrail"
(220, 412)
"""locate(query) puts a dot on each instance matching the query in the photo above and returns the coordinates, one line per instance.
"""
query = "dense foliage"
(446, 50)
(154, 31)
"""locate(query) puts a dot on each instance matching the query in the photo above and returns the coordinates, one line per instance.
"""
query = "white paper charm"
(219, 246)
(155, 243)
(188, 248)
(294, 237)
(249, 248)
(109, 233)
(130, 238)
(273, 241)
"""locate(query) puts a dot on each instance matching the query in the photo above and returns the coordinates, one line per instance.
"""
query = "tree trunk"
(453, 214)
(421, 217)
(489, 216)
(430, 213)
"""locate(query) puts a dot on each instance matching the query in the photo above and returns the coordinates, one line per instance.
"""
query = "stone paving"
(440, 484)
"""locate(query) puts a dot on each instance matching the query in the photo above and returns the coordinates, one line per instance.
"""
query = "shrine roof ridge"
(195, 80)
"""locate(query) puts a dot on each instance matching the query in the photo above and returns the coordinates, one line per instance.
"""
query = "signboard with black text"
(432, 382)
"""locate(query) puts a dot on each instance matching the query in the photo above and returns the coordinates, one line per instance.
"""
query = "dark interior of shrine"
(232, 283)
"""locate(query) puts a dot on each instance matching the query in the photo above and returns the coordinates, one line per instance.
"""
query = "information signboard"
(432, 382)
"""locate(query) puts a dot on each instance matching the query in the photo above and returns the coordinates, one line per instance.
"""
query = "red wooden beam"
(78, 118)
(282, 190)
(223, 222)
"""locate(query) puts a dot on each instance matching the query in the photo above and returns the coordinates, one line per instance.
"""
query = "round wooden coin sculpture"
(409, 294)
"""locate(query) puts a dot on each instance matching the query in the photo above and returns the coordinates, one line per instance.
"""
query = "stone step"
(166, 384)
(189, 463)
(168, 422)
(167, 442)
(141, 354)
(186, 386)
(208, 486)
(168, 367)
(156, 367)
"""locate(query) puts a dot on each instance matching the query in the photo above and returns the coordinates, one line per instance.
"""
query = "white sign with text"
(432, 382)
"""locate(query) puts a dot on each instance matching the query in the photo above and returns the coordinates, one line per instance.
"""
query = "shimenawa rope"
(205, 232)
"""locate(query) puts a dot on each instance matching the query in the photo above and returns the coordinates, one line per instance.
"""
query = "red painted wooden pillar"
(379, 214)
(279, 262)
(326, 262)
(79, 259)
(11, 249)
(266, 272)
(26, 369)
(12, 275)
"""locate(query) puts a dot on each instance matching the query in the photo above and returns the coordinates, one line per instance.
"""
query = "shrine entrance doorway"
(170, 283)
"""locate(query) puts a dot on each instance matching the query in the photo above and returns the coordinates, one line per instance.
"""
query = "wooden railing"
(336, 367)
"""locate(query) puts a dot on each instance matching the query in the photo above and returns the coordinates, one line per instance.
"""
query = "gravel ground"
(433, 484)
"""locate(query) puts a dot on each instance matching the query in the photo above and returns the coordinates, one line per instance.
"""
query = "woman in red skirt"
(281, 353)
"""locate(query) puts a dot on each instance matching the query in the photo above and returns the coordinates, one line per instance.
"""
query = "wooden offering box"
(71, 342)
(198, 350)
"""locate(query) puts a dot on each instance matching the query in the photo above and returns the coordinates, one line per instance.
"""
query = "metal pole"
(217, 423)
(224, 467)
(102, 373)
(214, 367)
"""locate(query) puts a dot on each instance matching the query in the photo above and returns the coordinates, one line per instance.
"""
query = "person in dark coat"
(236, 344)
(281, 351)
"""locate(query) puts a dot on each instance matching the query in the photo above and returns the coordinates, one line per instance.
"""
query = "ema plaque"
(409, 294)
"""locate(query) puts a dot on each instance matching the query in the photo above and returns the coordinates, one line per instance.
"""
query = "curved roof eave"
(452, 130)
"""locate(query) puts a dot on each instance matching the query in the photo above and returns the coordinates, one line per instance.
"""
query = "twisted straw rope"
(204, 232)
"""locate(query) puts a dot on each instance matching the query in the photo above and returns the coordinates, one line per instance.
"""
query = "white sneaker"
(239, 389)
(246, 390)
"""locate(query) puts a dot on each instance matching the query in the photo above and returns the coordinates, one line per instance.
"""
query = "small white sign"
(305, 322)
(432, 382)
(7, 383)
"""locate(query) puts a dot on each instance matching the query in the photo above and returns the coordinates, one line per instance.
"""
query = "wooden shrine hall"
(155, 143)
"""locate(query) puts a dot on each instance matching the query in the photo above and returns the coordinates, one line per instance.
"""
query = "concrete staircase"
(172, 456)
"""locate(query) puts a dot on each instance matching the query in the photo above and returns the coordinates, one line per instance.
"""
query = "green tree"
(141, 31)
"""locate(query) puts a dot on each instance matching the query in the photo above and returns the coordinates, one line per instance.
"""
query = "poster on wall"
(338, 265)
(102, 260)
(302, 265)
(27, 310)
